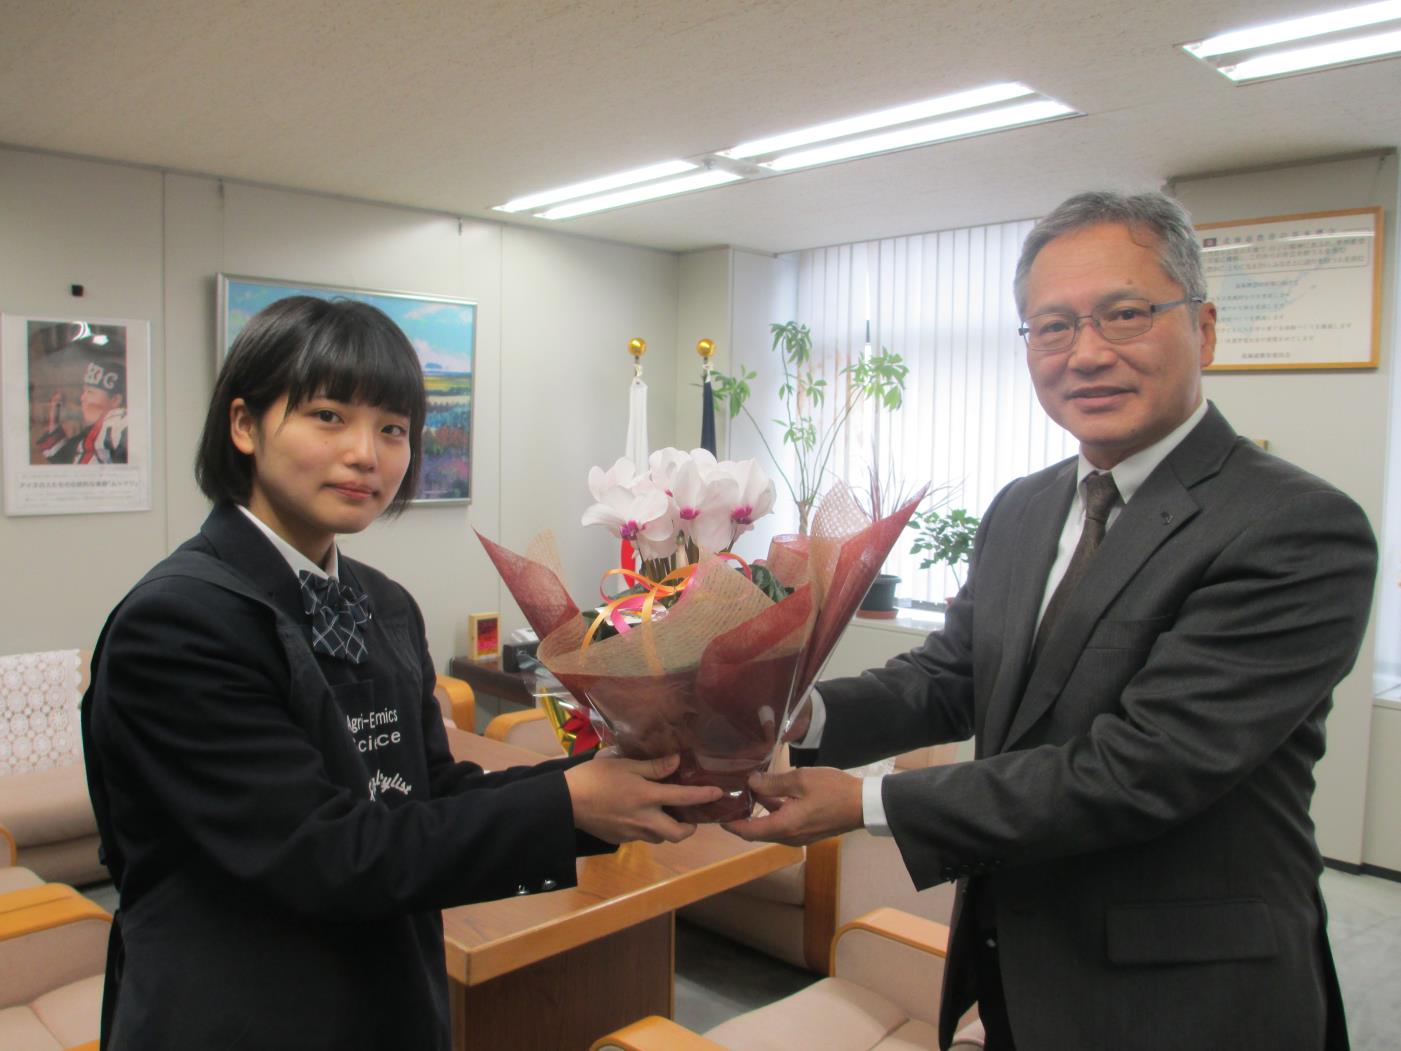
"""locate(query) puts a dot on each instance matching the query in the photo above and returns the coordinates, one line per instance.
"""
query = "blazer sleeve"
(449, 776)
(192, 720)
(1241, 677)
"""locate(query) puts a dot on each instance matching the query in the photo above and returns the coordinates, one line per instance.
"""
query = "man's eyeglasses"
(1055, 331)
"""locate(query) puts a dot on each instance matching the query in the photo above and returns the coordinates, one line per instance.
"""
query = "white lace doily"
(39, 711)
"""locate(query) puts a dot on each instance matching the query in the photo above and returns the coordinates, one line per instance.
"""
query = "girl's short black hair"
(306, 348)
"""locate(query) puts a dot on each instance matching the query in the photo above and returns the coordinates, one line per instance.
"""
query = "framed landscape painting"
(444, 333)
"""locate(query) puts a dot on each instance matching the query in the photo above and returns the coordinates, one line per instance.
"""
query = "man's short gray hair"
(1179, 252)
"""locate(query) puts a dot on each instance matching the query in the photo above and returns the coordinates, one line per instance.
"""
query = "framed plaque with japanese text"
(1296, 291)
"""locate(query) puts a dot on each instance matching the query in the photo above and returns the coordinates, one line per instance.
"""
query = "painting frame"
(1309, 281)
(77, 404)
(443, 332)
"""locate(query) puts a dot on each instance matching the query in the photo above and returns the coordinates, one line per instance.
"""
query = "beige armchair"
(887, 967)
(53, 951)
(458, 702)
(43, 785)
(528, 729)
(792, 914)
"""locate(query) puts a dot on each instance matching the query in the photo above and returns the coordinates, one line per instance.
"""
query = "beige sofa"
(43, 786)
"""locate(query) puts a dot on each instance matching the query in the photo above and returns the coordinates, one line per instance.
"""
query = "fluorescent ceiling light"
(637, 194)
(885, 118)
(922, 134)
(988, 108)
(1296, 29)
(1278, 63)
(593, 186)
(1251, 54)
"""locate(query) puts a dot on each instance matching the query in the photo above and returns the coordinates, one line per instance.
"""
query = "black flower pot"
(880, 600)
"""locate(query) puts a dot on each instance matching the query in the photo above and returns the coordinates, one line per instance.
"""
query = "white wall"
(703, 313)
(1334, 424)
(569, 308)
(64, 223)
(555, 314)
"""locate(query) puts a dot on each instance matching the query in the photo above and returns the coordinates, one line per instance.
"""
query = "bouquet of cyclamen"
(709, 654)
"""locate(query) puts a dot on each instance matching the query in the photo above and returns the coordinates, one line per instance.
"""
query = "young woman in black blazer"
(277, 802)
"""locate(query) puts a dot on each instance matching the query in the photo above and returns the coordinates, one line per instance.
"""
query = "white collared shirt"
(1129, 476)
(295, 558)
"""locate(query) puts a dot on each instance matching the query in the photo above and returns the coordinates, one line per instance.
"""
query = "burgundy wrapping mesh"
(713, 676)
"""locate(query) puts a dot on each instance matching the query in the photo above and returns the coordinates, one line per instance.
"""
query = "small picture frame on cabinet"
(484, 636)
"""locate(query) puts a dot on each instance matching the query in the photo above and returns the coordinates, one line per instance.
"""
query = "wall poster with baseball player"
(77, 414)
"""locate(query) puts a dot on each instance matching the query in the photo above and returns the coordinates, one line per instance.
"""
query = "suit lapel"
(1038, 536)
(1162, 506)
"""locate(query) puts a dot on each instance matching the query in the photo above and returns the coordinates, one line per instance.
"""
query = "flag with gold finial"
(705, 348)
(636, 446)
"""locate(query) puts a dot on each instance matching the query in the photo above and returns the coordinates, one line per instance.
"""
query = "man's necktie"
(337, 611)
(1100, 496)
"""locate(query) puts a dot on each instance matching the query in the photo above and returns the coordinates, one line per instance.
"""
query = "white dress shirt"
(1129, 476)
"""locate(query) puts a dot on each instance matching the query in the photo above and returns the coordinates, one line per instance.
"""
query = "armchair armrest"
(900, 954)
(903, 927)
(458, 702)
(44, 907)
(500, 728)
(530, 729)
(654, 1033)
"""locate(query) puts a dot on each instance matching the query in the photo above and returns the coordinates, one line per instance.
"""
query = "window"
(971, 421)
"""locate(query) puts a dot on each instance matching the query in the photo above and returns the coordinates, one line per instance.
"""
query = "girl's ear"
(243, 426)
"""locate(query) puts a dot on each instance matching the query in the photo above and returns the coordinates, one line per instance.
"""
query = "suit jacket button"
(521, 888)
(548, 884)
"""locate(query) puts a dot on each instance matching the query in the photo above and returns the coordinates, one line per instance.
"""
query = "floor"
(717, 979)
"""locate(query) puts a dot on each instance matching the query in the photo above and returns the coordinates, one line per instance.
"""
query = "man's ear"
(243, 427)
(1206, 323)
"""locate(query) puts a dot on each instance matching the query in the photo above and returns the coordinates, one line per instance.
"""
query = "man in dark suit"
(1145, 650)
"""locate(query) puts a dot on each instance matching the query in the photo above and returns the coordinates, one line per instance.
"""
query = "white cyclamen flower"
(621, 473)
(704, 498)
(643, 517)
(662, 466)
(755, 494)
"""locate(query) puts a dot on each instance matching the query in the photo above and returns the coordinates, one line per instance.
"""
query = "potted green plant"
(878, 378)
(944, 538)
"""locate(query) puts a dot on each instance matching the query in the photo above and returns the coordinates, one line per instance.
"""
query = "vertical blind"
(971, 422)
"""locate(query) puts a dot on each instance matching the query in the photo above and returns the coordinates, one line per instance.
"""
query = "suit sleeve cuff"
(873, 806)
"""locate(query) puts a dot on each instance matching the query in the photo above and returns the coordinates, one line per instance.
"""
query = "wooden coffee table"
(556, 971)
